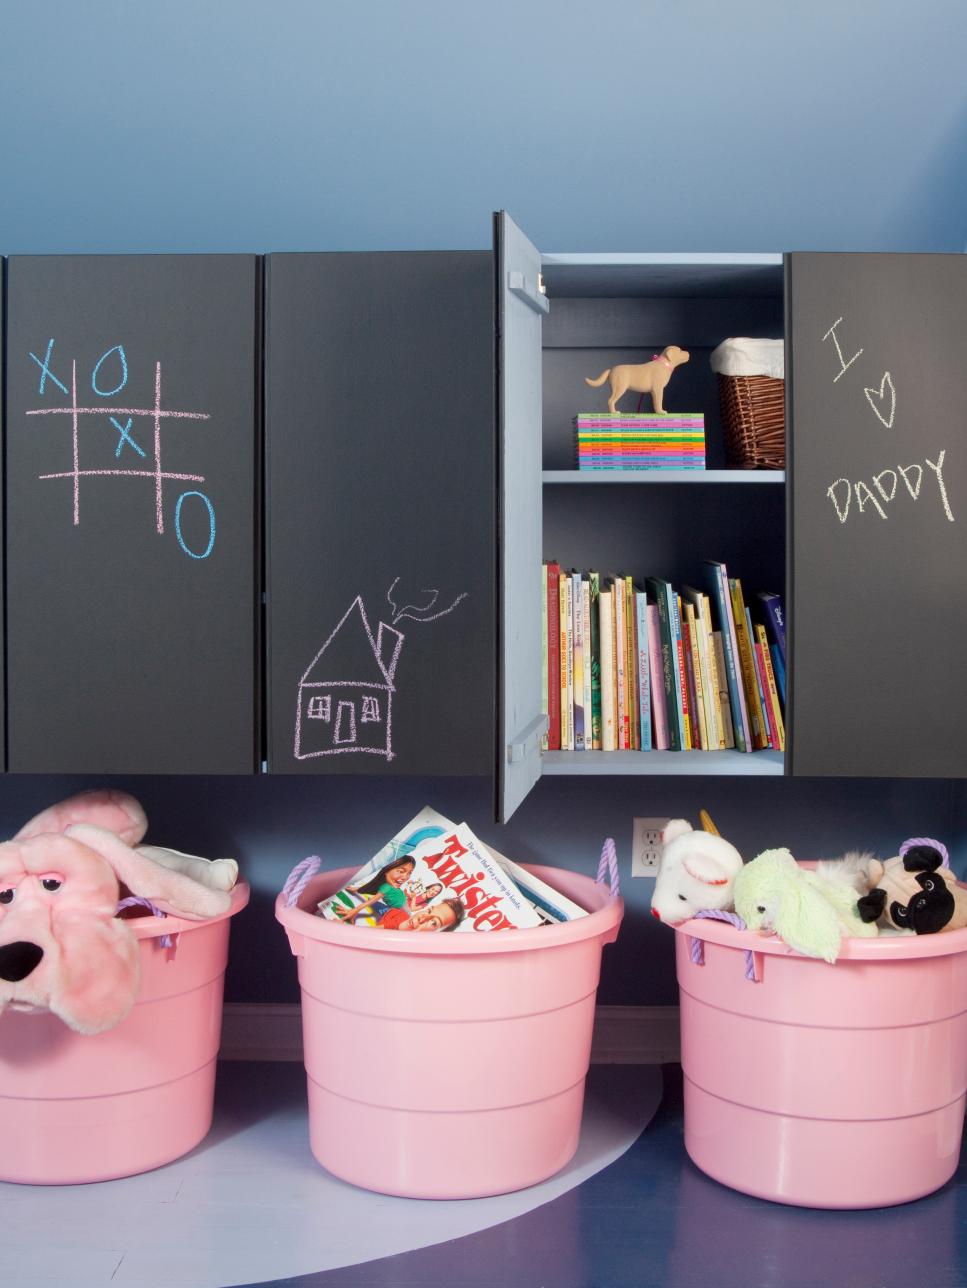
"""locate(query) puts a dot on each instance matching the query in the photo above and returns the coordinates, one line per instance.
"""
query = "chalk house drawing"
(336, 715)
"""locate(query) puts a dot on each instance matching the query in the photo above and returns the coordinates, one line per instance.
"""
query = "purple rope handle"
(696, 947)
(299, 878)
(927, 840)
(608, 866)
(166, 941)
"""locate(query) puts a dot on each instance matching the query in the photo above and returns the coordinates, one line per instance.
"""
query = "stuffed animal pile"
(916, 891)
(63, 948)
(811, 909)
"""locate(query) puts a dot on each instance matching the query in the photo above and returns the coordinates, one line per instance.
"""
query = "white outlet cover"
(646, 846)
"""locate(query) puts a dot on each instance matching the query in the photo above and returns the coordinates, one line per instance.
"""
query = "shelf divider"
(686, 763)
(663, 476)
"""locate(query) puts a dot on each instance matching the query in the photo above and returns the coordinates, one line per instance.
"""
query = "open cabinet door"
(520, 309)
(878, 494)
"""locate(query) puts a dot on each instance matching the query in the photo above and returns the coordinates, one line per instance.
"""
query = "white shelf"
(663, 476)
(691, 763)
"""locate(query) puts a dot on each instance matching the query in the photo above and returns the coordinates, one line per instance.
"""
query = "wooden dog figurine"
(643, 378)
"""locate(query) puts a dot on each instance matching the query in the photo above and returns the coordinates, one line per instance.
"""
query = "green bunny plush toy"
(810, 911)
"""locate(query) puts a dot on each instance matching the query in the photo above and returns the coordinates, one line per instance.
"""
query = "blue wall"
(205, 125)
(239, 125)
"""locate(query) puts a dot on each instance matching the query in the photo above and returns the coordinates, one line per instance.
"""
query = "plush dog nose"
(18, 960)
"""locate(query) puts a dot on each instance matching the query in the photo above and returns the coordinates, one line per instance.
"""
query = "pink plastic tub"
(825, 1086)
(448, 1065)
(77, 1108)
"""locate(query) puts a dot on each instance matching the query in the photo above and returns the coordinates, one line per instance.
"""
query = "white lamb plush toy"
(696, 873)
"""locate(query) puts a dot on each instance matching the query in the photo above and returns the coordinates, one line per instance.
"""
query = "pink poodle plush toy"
(62, 947)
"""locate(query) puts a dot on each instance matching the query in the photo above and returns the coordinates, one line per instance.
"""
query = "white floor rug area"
(251, 1204)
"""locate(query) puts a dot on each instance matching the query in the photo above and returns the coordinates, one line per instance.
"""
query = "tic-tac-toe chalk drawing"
(112, 369)
(336, 714)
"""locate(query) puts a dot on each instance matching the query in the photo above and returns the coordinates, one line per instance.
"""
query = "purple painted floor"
(632, 1213)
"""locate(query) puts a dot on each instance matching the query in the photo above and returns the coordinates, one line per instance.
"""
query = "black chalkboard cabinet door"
(878, 514)
(381, 491)
(3, 696)
(132, 513)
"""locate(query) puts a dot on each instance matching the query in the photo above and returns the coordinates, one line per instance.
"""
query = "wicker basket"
(753, 421)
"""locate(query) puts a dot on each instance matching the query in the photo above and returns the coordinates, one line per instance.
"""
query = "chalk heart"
(885, 383)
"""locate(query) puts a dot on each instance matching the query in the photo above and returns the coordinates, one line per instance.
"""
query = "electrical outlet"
(646, 846)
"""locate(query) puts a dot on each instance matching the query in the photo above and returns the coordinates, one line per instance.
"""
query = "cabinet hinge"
(532, 295)
(528, 740)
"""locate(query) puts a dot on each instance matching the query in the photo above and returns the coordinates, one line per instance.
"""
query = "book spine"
(669, 664)
(771, 738)
(595, 590)
(545, 709)
(772, 690)
(759, 679)
(631, 671)
(577, 626)
(606, 627)
(659, 706)
(772, 604)
(613, 645)
(713, 715)
(621, 707)
(553, 657)
(749, 683)
(723, 602)
(675, 616)
(644, 671)
(567, 662)
(725, 707)
(696, 687)
(586, 696)
(779, 670)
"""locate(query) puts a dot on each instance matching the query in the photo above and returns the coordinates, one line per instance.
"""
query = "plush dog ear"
(871, 906)
(922, 858)
(170, 890)
(116, 811)
(808, 922)
(217, 874)
(96, 973)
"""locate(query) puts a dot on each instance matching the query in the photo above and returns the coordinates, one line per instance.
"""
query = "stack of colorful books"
(632, 441)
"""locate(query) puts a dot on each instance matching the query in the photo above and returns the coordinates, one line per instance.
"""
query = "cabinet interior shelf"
(663, 476)
(698, 763)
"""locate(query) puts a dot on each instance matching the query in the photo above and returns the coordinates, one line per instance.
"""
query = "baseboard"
(622, 1034)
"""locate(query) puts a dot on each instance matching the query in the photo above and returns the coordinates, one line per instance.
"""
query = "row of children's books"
(630, 667)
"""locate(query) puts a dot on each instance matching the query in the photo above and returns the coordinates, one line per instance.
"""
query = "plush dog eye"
(760, 907)
(51, 883)
(683, 899)
(6, 896)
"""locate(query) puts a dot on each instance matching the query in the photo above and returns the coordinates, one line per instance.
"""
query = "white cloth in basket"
(744, 357)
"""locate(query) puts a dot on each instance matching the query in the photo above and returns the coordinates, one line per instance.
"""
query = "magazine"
(433, 875)
(550, 905)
